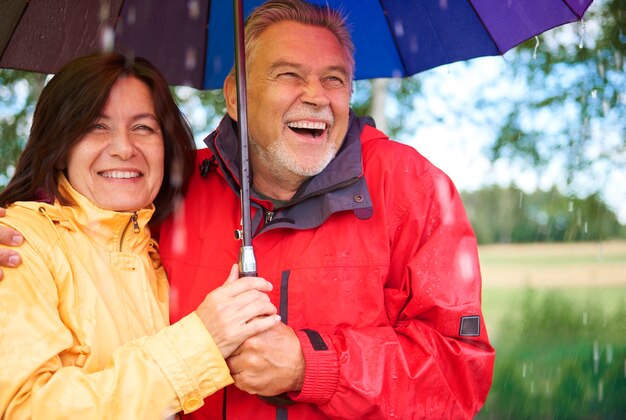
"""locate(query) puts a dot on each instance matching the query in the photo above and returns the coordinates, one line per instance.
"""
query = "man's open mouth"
(308, 128)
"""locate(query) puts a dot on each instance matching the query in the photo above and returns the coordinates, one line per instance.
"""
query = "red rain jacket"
(374, 266)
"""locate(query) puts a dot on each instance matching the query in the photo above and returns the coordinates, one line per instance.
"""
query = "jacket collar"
(339, 187)
(347, 165)
(109, 228)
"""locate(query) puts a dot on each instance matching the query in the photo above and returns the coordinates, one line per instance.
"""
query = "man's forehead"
(292, 42)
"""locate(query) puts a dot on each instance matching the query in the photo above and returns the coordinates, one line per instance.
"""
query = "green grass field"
(584, 273)
(556, 314)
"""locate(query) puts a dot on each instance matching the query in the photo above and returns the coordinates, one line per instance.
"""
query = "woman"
(84, 320)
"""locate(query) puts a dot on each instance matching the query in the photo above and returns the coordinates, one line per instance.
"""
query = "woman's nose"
(121, 145)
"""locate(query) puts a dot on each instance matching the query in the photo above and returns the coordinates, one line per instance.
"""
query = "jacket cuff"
(191, 361)
(321, 375)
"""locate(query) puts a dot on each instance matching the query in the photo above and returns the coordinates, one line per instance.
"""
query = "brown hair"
(275, 11)
(71, 102)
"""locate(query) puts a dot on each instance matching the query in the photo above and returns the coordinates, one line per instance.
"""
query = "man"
(373, 261)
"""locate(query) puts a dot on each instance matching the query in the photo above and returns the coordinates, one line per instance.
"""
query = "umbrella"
(192, 42)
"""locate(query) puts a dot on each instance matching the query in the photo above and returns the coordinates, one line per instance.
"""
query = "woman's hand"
(9, 237)
(238, 309)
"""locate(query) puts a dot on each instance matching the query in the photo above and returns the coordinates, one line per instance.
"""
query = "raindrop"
(107, 38)
(596, 357)
(521, 199)
(104, 11)
(536, 46)
(586, 228)
(131, 17)
(217, 64)
(585, 318)
(193, 8)
(524, 370)
(594, 93)
(190, 58)
(601, 69)
(609, 354)
(570, 207)
(466, 266)
(600, 391)
(413, 44)
(399, 29)
(581, 44)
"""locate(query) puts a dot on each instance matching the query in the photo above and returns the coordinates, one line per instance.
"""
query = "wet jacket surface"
(84, 321)
(375, 267)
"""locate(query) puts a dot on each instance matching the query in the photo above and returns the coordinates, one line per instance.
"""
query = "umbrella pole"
(247, 261)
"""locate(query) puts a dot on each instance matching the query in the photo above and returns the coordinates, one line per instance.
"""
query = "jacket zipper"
(269, 215)
(133, 220)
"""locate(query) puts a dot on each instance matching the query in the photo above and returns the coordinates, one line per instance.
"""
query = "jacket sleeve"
(434, 359)
(151, 377)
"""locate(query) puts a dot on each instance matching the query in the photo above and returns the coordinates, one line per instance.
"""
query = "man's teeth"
(309, 125)
(120, 174)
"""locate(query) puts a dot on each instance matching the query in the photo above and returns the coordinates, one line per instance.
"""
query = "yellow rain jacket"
(84, 321)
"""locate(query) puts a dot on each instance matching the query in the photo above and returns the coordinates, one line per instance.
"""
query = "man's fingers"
(233, 275)
(262, 323)
(10, 237)
(9, 258)
(242, 285)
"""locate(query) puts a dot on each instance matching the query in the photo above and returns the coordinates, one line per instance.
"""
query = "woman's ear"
(230, 95)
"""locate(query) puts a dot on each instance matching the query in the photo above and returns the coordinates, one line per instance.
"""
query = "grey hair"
(275, 11)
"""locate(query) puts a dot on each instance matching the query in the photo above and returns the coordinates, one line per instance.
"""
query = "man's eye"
(335, 81)
(288, 75)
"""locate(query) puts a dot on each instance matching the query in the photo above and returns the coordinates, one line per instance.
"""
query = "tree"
(576, 85)
(19, 91)
(508, 214)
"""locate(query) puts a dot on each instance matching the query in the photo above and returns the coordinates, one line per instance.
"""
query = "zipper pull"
(269, 215)
(133, 219)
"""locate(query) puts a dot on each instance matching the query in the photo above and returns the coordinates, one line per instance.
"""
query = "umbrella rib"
(574, 11)
(16, 16)
(471, 3)
(404, 66)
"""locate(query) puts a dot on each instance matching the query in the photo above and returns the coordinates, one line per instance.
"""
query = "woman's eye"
(97, 127)
(144, 129)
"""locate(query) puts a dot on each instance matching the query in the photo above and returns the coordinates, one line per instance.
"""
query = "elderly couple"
(369, 300)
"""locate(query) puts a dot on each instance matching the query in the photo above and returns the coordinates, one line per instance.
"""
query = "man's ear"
(230, 95)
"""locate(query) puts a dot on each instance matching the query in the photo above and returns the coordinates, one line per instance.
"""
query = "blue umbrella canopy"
(192, 41)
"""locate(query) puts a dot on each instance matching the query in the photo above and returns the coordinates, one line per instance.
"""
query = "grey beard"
(284, 166)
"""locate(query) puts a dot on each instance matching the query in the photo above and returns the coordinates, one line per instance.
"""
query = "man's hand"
(9, 237)
(238, 309)
(269, 363)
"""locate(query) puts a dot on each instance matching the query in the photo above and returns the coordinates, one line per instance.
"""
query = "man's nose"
(121, 145)
(314, 93)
